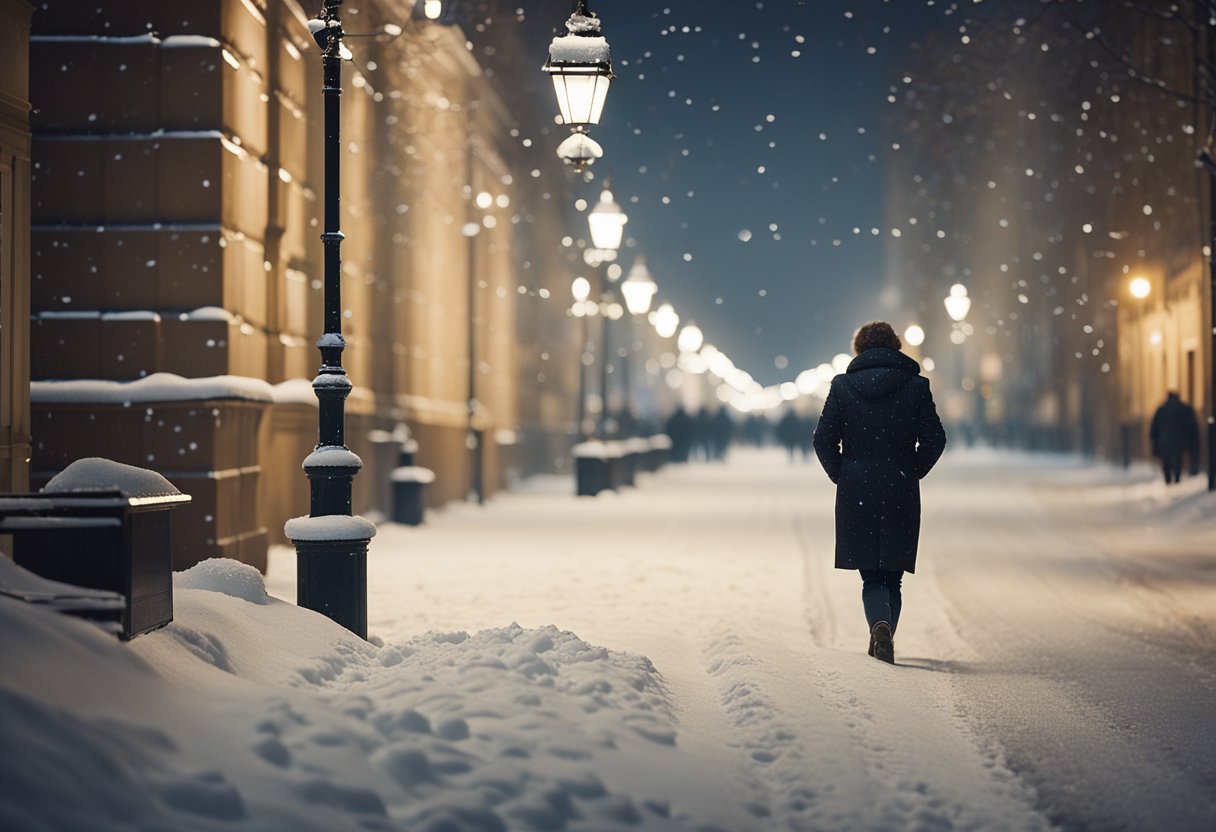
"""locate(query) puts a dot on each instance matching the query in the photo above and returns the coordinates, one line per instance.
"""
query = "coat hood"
(880, 372)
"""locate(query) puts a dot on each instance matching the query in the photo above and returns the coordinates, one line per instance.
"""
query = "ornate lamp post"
(607, 225)
(580, 65)
(638, 289)
(580, 289)
(1139, 288)
(331, 545)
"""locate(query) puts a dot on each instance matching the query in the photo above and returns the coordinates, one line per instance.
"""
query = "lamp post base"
(331, 578)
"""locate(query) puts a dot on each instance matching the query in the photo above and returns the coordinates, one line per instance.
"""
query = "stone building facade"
(176, 212)
(1041, 176)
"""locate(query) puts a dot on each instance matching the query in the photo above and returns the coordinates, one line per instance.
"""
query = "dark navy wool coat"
(877, 438)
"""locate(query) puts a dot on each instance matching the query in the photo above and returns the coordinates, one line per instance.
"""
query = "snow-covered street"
(677, 656)
(1061, 625)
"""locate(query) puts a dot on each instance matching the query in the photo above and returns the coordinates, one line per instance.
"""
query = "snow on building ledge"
(158, 387)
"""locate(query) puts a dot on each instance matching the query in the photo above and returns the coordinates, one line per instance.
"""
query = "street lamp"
(914, 335)
(607, 223)
(690, 338)
(1139, 288)
(580, 289)
(958, 304)
(580, 66)
(666, 321)
(639, 289)
(331, 545)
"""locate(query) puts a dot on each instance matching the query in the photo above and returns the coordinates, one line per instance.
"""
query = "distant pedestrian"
(806, 436)
(679, 429)
(1175, 430)
(722, 431)
(789, 431)
(878, 436)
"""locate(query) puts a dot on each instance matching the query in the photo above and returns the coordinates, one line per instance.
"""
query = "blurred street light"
(914, 335)
(1140, 287)
(958, 304)
(607, 223)
(690, 339)
(639, 288)
(665, 320)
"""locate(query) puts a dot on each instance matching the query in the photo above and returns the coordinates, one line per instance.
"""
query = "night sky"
(743, 139)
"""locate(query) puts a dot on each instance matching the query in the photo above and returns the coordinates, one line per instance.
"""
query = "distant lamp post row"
(580, 66)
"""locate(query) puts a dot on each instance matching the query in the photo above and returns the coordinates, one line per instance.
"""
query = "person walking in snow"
(1174, 430)
(877, 438)
(788, 430)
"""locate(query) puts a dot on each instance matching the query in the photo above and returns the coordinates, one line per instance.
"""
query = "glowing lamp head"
(914, 335)
(639, 288)
(580, 289)
(665, 320)
(607, 222)
(1140, 287)
(580, 65)
(690, 338)
(958, 304)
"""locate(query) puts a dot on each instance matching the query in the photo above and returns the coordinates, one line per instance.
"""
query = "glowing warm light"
(690, 339)
(1140, 288)
(581, 289)
(639, 288)
(841, 361)
(607, 222)
(808, 382)
(789, 391)
(665, 320)
(957, 304)
(914, 335)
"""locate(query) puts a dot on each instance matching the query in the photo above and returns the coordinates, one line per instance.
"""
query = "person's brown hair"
(875, 334)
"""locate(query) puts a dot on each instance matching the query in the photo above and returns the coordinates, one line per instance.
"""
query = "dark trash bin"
(410, 484)
(595, 465)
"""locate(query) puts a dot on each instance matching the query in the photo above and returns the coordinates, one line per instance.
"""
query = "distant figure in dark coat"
(679, 429)
(722, 431)
(806, 436)
(789, 431)
(878, 436)
(1175, 430)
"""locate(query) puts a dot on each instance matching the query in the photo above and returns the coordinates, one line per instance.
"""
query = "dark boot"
(882, 643)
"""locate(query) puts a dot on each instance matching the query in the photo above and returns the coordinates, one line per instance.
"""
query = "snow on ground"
(685, 657)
